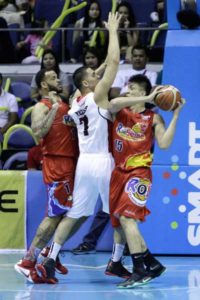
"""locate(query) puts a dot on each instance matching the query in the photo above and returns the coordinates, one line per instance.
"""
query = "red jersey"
(61, 140)
(35, 158)
(133, 138)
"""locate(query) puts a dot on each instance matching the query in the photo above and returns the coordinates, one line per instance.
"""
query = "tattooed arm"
(42, 119)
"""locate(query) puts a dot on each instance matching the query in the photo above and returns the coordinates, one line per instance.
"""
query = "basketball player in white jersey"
(95, 162)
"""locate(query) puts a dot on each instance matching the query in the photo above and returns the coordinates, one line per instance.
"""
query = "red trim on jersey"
(79, 98)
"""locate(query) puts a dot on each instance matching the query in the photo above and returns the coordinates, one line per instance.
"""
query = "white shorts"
(92, 178)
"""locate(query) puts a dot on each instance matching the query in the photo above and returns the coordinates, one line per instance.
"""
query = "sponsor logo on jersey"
(138, 190)
(136, 133)
(67, 120)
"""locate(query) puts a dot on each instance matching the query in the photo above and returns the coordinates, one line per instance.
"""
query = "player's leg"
(134, 240)
(115, 266)
(90, 240)
(43, 235)
(59, 194)
(151, 263)
(84, 199)
(66, 228)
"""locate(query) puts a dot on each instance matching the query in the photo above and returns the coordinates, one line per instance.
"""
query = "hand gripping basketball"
(167, 97)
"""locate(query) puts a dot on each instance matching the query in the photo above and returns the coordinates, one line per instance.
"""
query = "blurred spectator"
(35, 158)
(91, 20)
(92, 58)
(139, 62)
(127, 38)
(22, 5)
(11, 13)
(188, 18)
(50, 62)
(160, 7)
(28, 6)
(8, 109)
(30, 43)
(7, 50)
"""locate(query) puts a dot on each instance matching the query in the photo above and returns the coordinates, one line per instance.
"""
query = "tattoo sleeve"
(42, 126)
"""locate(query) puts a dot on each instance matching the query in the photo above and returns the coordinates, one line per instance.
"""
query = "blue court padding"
(172, 228)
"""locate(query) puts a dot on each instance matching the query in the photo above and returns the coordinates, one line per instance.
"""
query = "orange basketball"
(167, 98)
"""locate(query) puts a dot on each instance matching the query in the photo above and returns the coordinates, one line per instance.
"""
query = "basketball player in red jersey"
(134, 131)
(53, 126)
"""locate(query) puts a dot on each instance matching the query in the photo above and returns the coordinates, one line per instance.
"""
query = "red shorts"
(59, 176)
(129, 190)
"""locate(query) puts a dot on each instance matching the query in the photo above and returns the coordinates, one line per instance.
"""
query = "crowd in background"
(15, 14)
(132, 50)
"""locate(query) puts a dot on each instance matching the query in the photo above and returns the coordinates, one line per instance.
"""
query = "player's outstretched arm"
(165, 136)
(112, 62)
(119, 103)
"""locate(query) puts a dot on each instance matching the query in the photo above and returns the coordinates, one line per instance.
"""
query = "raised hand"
(180, 106)
(113, 21)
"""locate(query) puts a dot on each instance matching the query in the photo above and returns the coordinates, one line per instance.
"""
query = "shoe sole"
(136, 284)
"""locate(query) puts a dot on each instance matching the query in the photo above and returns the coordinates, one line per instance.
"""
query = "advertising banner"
(12, 210)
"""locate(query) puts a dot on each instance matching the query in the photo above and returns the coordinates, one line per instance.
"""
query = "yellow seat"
(156, 34)
(19, 136)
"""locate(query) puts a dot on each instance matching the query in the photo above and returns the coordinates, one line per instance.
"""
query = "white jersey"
(92, 124)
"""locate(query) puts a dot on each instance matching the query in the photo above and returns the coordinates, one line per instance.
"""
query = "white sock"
(117, 252)
(54, 250)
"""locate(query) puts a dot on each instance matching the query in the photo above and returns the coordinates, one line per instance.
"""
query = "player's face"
(92, 78)
(139, 59)
(52, 81)
(94, 11)
(134, 89)
(49, 61)
(91, 61)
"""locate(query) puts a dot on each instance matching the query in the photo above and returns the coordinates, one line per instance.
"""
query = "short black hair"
(78, 77)
(40, 77)
(143, 81)
(140, 47)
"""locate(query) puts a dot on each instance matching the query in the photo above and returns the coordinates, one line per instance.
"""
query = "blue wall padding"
(165, 230)
(173, 6)
(182, 69)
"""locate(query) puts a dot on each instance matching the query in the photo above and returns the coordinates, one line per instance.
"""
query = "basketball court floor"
(86, 280)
